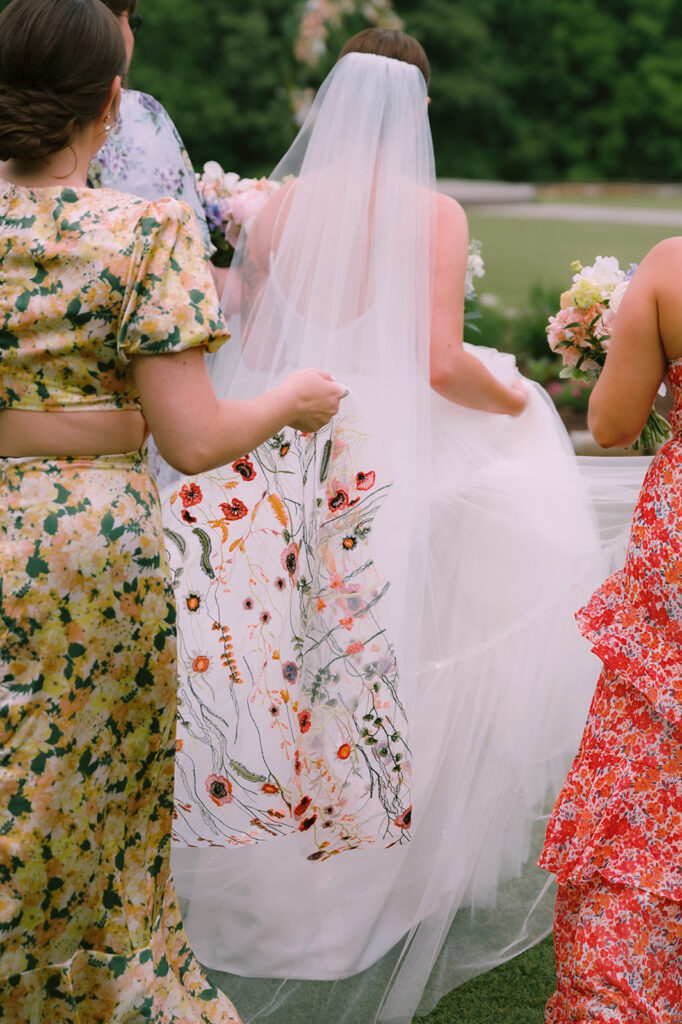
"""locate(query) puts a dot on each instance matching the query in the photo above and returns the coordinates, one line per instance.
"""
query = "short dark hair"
(388, 42)
(58, 59)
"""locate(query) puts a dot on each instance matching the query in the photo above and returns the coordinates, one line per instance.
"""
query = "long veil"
(381, 683)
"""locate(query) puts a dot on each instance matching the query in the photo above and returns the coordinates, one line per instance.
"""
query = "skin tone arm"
(195, 431)
(647, 333)
(455, 373)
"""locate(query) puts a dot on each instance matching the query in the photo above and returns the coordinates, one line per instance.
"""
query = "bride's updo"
(388, 42)
(58, 59)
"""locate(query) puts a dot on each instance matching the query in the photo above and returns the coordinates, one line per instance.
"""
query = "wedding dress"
(381, 682)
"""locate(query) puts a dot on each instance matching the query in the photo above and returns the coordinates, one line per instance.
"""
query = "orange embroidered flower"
(355, 648)
(190, 494)
(193, 601)
(200, 663)
(349, 543)
(404, 820)
(302, 807)
(268, 787)
(304, 720)
(346, 623)
(343, 752)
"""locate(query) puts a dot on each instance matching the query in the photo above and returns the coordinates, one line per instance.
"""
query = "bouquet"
(475, 268)
(230, 203)
(581, 330)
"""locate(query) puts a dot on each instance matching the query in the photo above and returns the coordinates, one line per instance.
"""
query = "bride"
(381, 684)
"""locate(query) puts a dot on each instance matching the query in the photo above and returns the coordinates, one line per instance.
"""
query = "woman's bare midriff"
(53, 434)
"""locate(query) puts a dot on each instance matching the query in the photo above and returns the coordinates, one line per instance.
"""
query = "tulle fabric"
(491, 536)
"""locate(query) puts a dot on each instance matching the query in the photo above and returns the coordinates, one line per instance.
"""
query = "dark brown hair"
(388, 42)
(58, 59)
(120, 7)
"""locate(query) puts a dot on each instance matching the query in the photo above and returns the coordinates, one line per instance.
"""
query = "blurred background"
(578, 103)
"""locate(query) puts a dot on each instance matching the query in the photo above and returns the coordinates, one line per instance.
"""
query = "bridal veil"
(381, 682)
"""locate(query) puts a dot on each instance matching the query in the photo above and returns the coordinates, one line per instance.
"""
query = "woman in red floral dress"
(614, 839)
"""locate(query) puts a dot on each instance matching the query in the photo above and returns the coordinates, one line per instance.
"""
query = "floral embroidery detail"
(307, 613)
(236, 509)
(200, 663)
(190, 494)
(244, 467)
(219, 789)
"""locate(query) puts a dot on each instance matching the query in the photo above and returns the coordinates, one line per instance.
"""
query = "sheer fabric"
(489, 535)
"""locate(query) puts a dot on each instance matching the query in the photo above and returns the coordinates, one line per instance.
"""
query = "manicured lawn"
(520, 253)
(514, 993)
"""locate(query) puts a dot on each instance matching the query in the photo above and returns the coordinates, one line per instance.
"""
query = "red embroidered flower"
(284, 448)
(236, 509)
(304, 720)
(363, 481)
(338, 501)
(244, 467)
(355, 647)
(219, 789)
(307, 823)
(188, 517)
(190, 494)
(343, 752)
(349, 543)
(404, 820)
(268, 787)
(302, 807)
(192, 601)
(200, 663)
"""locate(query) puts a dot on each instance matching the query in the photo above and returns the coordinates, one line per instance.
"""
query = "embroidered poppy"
(284, 448)
(404, 820)
(269, 787)
(307, 823)
(363, 481)
(274, 710)
(290, 560)
(193, 601)
(302, 807)
(188, 517)
(297, 763)
(355, 647)
(244, 467)
(275, 814)
(280, 583)
(316, 855)
(290, 671)
(190, 494)
(236, 509)
(219, 789)
(338, 501)
(304, 720)
(248, 603)
(265, 616)
(200, 663)
(343, 752)
(349, 543)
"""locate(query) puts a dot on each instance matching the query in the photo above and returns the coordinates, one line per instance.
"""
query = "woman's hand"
(519, 397)
(315, 397)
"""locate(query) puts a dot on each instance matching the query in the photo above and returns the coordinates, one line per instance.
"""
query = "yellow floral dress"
(89, 924)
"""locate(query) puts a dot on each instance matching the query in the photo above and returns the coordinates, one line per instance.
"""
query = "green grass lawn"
(520, 253)
(514, 993)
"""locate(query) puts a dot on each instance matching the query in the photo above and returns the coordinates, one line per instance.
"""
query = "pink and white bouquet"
(581, 330)
(230, 203)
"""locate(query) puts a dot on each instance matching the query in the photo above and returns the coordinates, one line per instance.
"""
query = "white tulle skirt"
(520, 532)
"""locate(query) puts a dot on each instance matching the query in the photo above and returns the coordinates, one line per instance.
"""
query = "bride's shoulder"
(451, 220)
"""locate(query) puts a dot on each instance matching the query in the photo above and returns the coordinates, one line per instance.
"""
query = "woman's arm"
(455, 373)
(195, 431)
(636, 362)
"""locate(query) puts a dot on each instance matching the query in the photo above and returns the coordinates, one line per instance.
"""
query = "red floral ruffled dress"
(618, 820)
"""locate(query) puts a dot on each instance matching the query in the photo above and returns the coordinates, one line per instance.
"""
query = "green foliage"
(540, 91)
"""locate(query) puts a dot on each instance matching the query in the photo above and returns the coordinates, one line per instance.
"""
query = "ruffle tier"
(638, 639)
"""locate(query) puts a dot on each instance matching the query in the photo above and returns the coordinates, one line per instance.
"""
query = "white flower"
(602, 276)
(617, 294)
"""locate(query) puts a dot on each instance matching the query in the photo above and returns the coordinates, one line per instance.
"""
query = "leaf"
(240, 769)
(205, 560)
(326, 455)
(279, 509)
(177, 539)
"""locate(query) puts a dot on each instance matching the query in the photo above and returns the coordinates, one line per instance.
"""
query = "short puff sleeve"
(170, 302)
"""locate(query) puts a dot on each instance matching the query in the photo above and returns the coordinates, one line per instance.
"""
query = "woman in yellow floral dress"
(106, 307)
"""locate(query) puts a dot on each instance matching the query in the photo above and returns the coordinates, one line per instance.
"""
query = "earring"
(108, 123)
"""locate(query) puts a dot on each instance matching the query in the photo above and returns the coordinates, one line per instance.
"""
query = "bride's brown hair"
(388, 42)
(58, 59)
